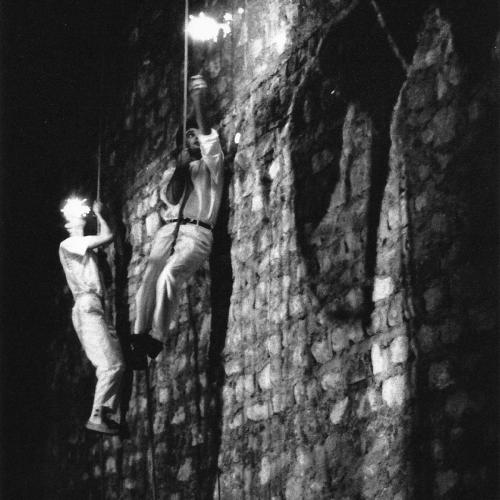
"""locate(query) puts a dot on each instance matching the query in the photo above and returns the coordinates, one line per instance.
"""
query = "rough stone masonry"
(340, 343)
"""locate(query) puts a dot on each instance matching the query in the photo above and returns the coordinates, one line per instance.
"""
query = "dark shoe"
(144, 343)
(110, 427)
(101, 423)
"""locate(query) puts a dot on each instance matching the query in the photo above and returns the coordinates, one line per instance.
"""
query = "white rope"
(184, 117)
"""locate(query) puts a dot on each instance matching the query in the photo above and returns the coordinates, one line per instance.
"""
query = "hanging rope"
(151, 434)
(99, 143)
(197, 386)
(184, 109)
(390, 38)
(101, 458)
(175, 235)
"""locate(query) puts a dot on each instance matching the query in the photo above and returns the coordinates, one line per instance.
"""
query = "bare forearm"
(199, 102)
(199, 98)
(104, 229)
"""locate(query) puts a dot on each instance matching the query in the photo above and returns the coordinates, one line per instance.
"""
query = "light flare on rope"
(75, 207)
(203, 28)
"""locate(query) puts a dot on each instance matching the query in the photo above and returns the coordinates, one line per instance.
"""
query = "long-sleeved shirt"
(80, 266)
(207, 176)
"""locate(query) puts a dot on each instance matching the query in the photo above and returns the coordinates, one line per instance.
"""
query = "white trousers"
(158, 295)
(102, 347)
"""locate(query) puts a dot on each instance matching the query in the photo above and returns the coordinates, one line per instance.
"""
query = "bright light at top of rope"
(280, 40)
(75, 207)
(202, 28)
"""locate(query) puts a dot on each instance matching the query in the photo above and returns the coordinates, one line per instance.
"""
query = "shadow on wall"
(355, 65)
(123, 255)
(221, 287)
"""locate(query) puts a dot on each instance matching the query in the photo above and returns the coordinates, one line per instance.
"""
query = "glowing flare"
(280, 41)
(204, 28)
(237, 138)
(75, 207)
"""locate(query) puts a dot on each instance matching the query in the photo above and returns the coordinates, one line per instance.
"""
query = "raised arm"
(105, 234)
(177, 183)
(199, 98)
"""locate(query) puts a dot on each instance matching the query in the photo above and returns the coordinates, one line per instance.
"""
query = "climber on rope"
(97, 336)
(180, 247)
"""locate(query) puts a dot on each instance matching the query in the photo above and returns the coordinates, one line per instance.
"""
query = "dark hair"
(179, 136)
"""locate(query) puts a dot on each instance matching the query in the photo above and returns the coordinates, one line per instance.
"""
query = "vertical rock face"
(339, 343)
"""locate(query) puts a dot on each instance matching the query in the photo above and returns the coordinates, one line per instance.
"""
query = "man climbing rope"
(97, 337)
(182, 245)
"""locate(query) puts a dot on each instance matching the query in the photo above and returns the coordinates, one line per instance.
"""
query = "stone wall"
(338, 343)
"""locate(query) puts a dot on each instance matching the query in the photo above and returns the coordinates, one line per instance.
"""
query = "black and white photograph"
(249, 250)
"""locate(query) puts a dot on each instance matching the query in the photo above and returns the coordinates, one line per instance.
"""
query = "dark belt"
(191, 221)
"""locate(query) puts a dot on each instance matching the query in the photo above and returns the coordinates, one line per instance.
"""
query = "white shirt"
(80, 266)
(207, 176)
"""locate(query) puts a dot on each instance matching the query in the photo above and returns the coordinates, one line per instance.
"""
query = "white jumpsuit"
(98, 338)
(157, 298)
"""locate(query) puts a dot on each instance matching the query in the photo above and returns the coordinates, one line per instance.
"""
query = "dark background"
(54, 56)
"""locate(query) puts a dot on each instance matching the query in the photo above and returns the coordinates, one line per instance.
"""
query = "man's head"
(192, 141)
(75, 212)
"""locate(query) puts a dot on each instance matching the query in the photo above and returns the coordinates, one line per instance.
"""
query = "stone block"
(395, 311)
(312, 390)
(444, 124)
(163, 397)
(299, 392)
(244, 387)
(354, 299)
(110, 465)
(294, 489)
(265, 470)
(273, 345)
(339, 339)
(399, 349)
(446, 481)
(379, 318)
(370, 401)
(332, 380)
(457, 404)
(440, 375)
(258, 411)
(185, 471)
(380, 360)
(179, 417)
(136, 234)
(338, 411)
(233, 367)
(281, 401)
(433, 298)
(236, 422)
(321, 351)
(395, 391)
(428, 338)
(356, 332)
(383, 288)
(264, 378)
(152, 224)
